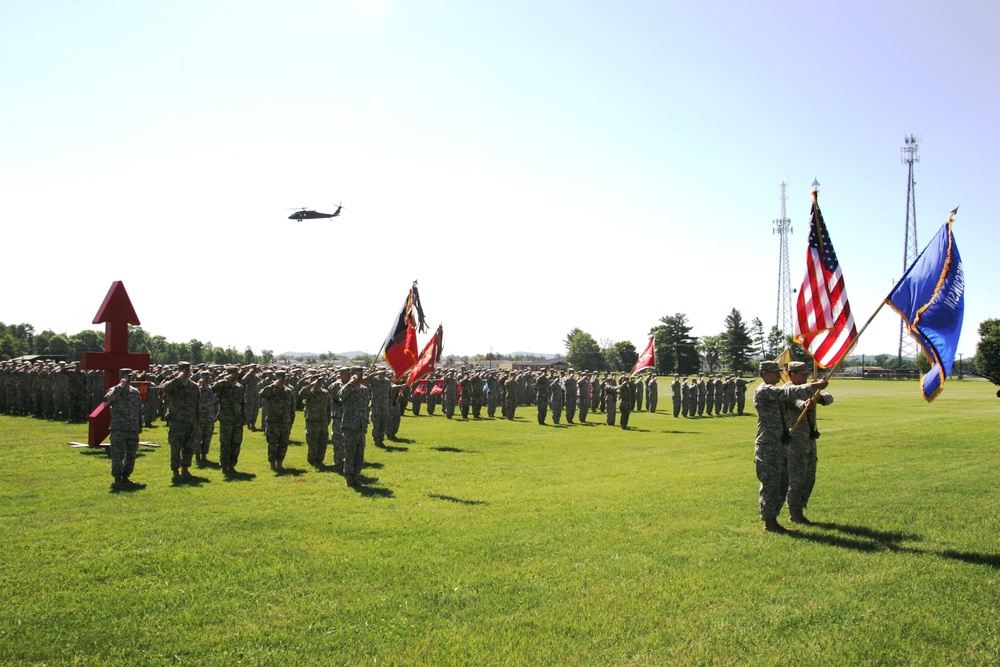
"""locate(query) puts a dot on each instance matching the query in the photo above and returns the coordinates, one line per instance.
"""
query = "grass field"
(506, 543)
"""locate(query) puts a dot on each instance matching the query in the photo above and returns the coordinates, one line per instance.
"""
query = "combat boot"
(772, 526)
(796, 516)
(349, 479)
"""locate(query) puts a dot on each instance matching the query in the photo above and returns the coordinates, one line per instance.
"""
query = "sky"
(536, 166)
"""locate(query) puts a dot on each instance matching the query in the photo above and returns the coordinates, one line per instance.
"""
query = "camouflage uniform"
(709, 395)
(542, 397)
(354, 398)
(801, 453)
(626, 400)
(251, 383)
(381, 390)
(511, 396)
(336, 414)
(610, 393)
(279, 401)
(318, 413)
(208, 411)
(126, 425)
(583, 391)
(570, 388)
(675, 390)
(450, 396)
(476, 386)
(686, 399)
(702, 394)
(652, 393)
(741, 394)
(183, 401)
(557, 399)
(232, 417)
(772, 405)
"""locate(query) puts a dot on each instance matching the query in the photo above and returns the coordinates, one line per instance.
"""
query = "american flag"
(824, 325)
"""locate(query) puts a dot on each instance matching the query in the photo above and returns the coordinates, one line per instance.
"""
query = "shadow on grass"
(453, 449)
(373, 464)
(213, 465)
(879, 540)
(683, 432)
(126, 487)
(190, 480)
(453, 499)
(237, 476)
(373, 492)
(407, 441)
(290, 472)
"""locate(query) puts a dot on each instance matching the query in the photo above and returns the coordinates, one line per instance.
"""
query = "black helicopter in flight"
(306, 214)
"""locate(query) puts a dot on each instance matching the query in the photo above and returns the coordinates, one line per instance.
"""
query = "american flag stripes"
(824, 325)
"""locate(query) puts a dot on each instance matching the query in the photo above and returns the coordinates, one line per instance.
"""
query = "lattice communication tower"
(907, 346)
(783, 228)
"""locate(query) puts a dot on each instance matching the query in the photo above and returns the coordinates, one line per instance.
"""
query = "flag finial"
(951, 216)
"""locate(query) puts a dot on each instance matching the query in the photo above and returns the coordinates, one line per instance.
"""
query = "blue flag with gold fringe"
(930, 298)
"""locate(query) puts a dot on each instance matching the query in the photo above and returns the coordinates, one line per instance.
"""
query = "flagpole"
(834, 368)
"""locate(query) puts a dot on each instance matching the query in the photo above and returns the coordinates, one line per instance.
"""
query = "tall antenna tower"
(783, 228)
(909, 157)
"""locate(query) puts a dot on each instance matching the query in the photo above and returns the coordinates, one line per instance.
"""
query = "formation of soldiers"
(563, 393)
(49, 390)
(700, 396)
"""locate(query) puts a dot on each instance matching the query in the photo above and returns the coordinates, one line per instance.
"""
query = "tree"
(757, 334)
(775, 343)
(627, 355)
(882, 360)
(676, 348)
(582, 351)
(922, 362)
(710, 348)
(987, 361)
(736, 342)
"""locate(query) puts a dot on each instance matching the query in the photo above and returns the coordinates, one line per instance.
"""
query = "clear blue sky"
(538, 166)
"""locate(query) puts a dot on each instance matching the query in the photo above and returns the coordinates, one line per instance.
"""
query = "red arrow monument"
(117, 312)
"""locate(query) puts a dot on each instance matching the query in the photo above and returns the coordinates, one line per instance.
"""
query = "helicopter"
(306, 214)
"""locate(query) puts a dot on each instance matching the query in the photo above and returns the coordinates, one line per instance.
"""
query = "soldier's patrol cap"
(232, 369)
(279, 374)
(184, 365)
(799, 367)
(205, 374)
(769, 367)
(345, 370)
(124, 372)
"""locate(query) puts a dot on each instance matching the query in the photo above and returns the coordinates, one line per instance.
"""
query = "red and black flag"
(648, 357)
(428, 358)
(400, 346)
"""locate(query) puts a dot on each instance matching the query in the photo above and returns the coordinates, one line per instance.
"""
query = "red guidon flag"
(648, 357)
(400, 346)
(430, 356)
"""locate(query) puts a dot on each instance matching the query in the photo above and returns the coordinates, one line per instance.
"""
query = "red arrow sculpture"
(117, 312)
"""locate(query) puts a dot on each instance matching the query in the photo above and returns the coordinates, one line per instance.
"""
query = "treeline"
(738, 347)
(17, 340)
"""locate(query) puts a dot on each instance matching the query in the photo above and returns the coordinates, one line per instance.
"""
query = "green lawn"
(506, 543)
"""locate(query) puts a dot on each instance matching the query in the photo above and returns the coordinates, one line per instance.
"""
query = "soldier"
(465, 395)
(278, 401)
(208, 411)
(492, 394)
(652, 393)
(435, 393)
(126, 425)
(542, 397)
(381, 388)
(638, 388)
(318, 411)
(570, 388)
(626, 400)
(675, 391)
(801, 448)
(610, 395)
(337, 413)
(709, 395)
(252, 385)
(686, 399)
(557, 398)
(741, 392)
(583, 390)
(729, 395)
(418, 397)
(702, 393)
(449, 395)
(354, 398)
(718, 393)
(183, 402)
(232, 416)
(511, 395)
(770, 457)
(476, 385)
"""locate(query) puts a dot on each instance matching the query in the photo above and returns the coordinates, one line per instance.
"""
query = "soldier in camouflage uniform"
(450, 395)
(570, 388)
(801, 448)
(583, 390)
(511, 395)
(317, 408)
(610, 395)
(126, 425)
(740, 385)
(337, 414)
(718, 393)
(772, 405)
(675, 390)
(626, 400)
(652, 393)
(557, 398)
(279, 399)
(686, 410)
(709, 395)
(542, 397)
(381, 390)
(492, 394)
(208, 411)
(251, 383)
(232, 416)
(183, 401)
(354, 397)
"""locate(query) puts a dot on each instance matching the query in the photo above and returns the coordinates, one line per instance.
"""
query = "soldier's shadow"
(453, 449)
(126, 488)
(373, 492)
(240, 477)
(190, 480)
(372, 464)
(290, 472)
(407, 441)
(391, 448)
